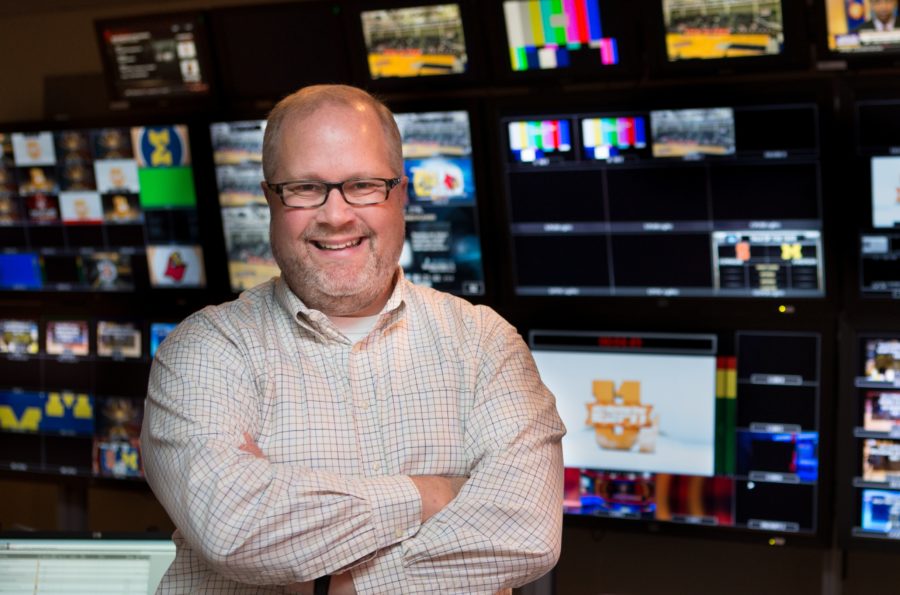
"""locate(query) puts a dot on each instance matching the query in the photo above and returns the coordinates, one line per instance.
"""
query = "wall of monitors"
(717, 201)
(714, 429)
(99, 209)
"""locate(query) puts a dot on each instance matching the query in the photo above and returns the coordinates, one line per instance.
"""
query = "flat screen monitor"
(712, 201)
(575, 36)
(415, 41)
(109, 209)
(879, 172)
(862, 27)
(722, 29)
(442, 247)
(156, 56)
(125, 566)
(717, 430)
(876, 434)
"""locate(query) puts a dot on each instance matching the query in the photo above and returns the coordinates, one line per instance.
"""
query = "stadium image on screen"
(693, 132)
(550, 35)
(854, 27)
(415, 41)
(715, 29)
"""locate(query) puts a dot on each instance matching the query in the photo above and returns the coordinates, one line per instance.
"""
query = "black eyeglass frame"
(390, 184)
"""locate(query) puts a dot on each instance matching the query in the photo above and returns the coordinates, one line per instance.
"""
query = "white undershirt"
(354, 328)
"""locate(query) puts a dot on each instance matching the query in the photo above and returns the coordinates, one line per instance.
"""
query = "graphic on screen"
(886, 191)
(116, 339)
(60, 412)
(606, 139)
(158, 56)
(237, 152)
(540, 141)
(442, 247)
(158, 332)
(882, 360)
(19, 337)
(415, 41)
(642, 413)
(768, 263)
(881, 460)
(693, 132)
(762, 455)
(880, 510)
(882, 411)
(863, 26)
(67, 338)
(558, 35)
(715, 29)
(116, 448)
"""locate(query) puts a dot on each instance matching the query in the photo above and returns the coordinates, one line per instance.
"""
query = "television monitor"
(719, 200)
(415, 44)
(107, 209)
(718, 430)
(722, 29)
(44, 565)
(879, 217)
(572, 38)
(119, 340)
(874, 462)
(156, 56)
(158, 332)
(862, 27)
(256, 62)
(442, 248)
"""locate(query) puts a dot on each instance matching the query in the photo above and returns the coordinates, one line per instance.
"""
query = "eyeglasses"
(310, 194)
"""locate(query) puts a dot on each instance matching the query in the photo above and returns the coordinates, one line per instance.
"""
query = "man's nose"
(336, 210)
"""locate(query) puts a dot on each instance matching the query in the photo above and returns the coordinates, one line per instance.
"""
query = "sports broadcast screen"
(862, 26)
(580, 34)
(720, 201)
(717, 430)
(442, 247)
(415, 41)
(99, 209)
(156, 56)
(876, 432)
(717, 29)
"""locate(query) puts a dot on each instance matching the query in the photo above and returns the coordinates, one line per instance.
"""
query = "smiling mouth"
(332, 246)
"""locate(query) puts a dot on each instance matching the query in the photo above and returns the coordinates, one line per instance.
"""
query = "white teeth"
(338, 246)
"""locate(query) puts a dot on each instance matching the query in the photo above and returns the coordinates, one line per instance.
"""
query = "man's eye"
(364, 185)
(304, 188)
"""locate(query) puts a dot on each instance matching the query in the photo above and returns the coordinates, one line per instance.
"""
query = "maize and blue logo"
(162, 146)
(55, 412)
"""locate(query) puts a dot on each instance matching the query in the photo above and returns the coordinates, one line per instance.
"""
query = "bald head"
(307, 101)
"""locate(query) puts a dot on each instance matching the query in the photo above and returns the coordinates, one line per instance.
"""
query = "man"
(339, 423)
(884, 16)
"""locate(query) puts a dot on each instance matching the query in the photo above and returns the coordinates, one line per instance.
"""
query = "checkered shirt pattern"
(439, 387)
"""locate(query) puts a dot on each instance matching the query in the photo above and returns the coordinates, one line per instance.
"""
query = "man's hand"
(436, 492)
(251, 446)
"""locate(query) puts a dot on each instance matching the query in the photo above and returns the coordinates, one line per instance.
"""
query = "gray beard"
(337, 295)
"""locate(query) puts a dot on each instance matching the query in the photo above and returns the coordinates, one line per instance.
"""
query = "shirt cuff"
(396, 507)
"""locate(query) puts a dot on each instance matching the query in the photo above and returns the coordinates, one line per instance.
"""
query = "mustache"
(320, 231)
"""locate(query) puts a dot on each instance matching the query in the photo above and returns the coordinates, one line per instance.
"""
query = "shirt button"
(362, 405)
(376, 467)
(399, 533)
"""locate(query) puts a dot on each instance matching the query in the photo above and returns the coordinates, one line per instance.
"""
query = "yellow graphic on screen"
(56, 406)
(791, 252)
(619, 419)
(160, 140)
